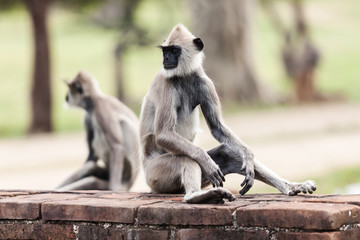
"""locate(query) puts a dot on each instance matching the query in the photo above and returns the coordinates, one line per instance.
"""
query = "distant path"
(296, 142)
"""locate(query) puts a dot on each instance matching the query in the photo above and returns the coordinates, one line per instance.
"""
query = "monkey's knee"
(165, 184)
(162, 177)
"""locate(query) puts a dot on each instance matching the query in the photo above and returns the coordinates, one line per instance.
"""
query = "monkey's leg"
(191, 179)
(163, 174)
(87, 183)
(117, 159)
(266, 175)
(170, 174)
(87, 169)
(132, 157)
(230, 162)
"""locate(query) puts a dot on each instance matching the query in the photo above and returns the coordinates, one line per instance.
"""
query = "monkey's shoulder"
(113, 107)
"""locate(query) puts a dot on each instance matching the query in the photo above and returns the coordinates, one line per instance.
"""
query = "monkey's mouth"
(170, 66)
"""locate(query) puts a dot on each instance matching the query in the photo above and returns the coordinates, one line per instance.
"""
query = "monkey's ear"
(198, 44)
(66, 82)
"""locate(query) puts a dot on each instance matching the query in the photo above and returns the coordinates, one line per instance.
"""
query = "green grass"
(79, 44)
(336, 181)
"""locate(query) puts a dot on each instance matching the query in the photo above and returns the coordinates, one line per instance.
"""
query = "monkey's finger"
(243, 166)
(218, 181)
(244, 182)
(221, 175)
(214, 181)
(245, 189)
(247, 183)
(247, 178)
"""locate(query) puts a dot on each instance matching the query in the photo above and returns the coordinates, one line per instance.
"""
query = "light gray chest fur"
(100, 144)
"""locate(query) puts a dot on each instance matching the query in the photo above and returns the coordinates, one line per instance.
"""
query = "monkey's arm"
(167, 138)
(89, 138)
(210, 106)
(111, 129)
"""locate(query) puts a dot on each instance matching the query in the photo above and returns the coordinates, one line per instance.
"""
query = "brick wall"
(115, 215)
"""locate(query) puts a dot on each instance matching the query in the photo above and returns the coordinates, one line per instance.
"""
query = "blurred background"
(287, 73)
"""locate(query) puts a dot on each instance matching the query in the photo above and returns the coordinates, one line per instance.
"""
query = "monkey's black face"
(171, 56)
(75, 94)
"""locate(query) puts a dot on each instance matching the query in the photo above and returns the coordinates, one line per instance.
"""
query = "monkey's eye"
(175, 51)
(79, 88)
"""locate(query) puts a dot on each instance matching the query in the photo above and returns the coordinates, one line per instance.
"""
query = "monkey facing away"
(168, 124)
(112, 136)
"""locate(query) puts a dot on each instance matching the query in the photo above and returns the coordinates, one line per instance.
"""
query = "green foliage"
(6, 5)
(336, 181)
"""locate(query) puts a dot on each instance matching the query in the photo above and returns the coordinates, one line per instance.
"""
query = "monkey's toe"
(304, 187)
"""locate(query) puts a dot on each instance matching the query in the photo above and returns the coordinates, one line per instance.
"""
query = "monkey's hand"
(213, 173)
(248, 170)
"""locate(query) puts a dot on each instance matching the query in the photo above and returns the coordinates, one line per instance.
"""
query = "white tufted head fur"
(190, 59)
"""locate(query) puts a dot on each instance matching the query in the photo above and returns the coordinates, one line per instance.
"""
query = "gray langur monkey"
(168, 125)
(112, 133)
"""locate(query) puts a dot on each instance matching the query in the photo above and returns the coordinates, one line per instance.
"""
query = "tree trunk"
(121, 15)
(299, 55)
(40, 89)
(226, 30)
(306, 57)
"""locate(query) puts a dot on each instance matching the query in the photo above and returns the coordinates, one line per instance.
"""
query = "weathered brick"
(12, 194)
(178, 213)
(147, 234)
(28, 206)
(118, 195)
(10, 209)
(278, 197)
(353, 234)
(93, 210)
(353, 199)
(101, 233)
(321, 216)
(272, 197)
(47, 197)
(36, 231)
(216, 234)
(163, 197)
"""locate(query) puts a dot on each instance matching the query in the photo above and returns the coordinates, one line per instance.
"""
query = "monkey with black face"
(168, 124)
(112, 136)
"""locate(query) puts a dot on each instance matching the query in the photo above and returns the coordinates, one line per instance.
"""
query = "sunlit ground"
(318, 142)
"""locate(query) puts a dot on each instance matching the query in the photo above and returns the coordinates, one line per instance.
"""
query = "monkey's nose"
(67, 97)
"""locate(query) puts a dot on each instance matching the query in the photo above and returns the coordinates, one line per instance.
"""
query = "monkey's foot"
(213, 196)
(304, 187)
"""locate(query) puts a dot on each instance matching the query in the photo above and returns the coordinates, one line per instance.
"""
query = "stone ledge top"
(306, 212)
